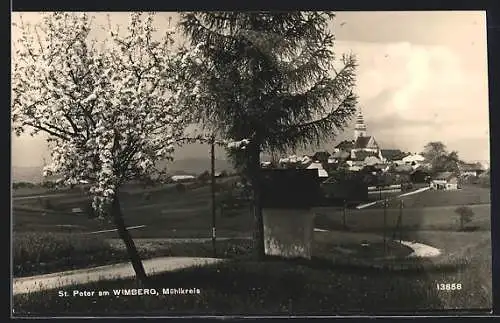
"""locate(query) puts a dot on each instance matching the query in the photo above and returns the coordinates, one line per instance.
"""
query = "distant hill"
(27, 174)
(195, 166)
(188, 166)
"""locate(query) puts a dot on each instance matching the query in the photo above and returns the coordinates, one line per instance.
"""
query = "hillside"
(26, 174)
(193, 166)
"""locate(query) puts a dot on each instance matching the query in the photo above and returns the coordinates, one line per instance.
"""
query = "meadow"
(55, 239)
(289, 287)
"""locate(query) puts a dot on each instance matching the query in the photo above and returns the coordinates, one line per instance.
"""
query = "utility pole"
(212, 175)
(385, 225)
(401, 205)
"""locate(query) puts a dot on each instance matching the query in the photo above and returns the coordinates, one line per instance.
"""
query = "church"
(363, 146)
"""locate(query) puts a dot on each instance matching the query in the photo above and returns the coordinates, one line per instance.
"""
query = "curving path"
(420, 190)
(25, 285)
(421, 250)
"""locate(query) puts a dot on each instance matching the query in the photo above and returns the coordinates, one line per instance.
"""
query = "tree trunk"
(257, 203)
(212, 178)
(133, 254)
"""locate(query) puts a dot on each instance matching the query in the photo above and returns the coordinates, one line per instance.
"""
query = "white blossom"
(105, 124)
(240, 144)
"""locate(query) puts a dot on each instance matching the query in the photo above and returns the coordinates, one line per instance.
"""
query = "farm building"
(444, 181)
(391, 155)
(182, 178)
(349, 189)
(340, 156)
(413, 159)
(470, 169)
(322, 173)
(419, 176)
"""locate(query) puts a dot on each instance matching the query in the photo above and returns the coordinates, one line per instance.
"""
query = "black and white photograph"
(250, 163)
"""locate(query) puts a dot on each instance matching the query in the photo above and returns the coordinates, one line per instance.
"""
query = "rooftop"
(444, 176)
(345, 145)
(393, 154)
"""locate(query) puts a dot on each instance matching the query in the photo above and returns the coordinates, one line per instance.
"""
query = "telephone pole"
(385, 225)
(212, 175)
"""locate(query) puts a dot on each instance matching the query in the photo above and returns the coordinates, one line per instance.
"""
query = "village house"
(391, 155)
(413, 159)
(266, 164)
(358, 153)
(340, 156)
(420, 175)
(182, 178)
(321, 156)
(322, 173)
(444, 181)
(344, 146)
(470, 169)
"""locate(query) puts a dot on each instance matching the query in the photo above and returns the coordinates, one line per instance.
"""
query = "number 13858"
(449, 286)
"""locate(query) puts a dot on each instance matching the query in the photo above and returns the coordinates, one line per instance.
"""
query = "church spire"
(360, 128)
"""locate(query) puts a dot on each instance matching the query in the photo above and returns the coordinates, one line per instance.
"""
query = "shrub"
(484, 181)
(204, 177)
(465, 213)
(33, 250)
(48, 184)
(18, 185)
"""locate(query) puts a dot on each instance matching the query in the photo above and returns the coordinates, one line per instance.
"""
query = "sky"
(422, 77)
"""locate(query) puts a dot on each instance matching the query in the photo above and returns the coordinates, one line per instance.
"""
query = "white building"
(305, 160)
(414, 160)
(322, 173)
(179, 178)
(372, 161)
(444, 181)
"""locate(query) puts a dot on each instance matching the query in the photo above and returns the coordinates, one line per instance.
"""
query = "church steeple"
(360, 128)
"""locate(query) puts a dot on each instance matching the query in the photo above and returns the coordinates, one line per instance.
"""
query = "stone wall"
(288, 232)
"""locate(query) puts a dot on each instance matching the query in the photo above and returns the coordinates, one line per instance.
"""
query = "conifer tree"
(269, 77)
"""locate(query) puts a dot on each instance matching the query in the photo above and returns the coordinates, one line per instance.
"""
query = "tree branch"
(42, 128)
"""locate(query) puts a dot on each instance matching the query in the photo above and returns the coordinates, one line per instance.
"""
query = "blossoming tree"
(108, 109)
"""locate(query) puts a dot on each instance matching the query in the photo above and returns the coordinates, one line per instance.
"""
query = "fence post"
(344, 215)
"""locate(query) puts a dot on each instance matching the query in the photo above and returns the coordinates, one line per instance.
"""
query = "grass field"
(289, 288)
(273, 287)
(39, 253)
(468, 195)
(168, 213)
(441, 218)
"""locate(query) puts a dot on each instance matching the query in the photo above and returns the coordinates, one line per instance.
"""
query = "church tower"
(360, 128)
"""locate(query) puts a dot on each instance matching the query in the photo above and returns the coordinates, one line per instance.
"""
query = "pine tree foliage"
(269, 76)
